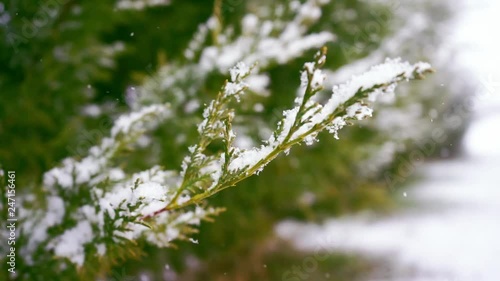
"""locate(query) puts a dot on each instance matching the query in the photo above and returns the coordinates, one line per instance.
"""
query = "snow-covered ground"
(454, 232)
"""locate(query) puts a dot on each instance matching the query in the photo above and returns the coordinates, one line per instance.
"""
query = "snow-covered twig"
(92, 201)
(349, 101)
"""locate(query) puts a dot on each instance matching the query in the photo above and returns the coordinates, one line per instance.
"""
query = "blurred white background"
(454, 233)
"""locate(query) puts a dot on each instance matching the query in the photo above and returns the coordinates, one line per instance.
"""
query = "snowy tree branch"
(302, 123)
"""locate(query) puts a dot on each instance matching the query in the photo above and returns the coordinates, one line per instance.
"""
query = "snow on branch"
(267, 39)
(205, 175)
(93, 203)
(140, 4)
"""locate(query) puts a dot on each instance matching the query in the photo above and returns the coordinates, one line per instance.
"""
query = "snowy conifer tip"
(110, 207)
